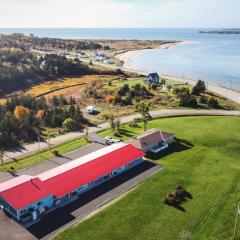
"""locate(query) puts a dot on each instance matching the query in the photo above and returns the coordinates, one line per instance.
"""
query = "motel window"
(74, 193)
(39, 203)
(23, 211)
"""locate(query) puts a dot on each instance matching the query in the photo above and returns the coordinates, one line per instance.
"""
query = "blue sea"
(211, 57)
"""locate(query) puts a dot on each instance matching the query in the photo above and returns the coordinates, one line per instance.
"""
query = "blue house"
(152, 78)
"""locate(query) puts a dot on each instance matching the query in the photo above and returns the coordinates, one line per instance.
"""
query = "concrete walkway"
(33, 148)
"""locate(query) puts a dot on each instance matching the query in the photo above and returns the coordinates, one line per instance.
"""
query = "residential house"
(153, 140)
(152, 78)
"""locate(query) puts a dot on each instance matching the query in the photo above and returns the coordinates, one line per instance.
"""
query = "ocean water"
(211, 57)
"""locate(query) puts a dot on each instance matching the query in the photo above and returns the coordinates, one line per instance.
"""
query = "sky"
(120, 13)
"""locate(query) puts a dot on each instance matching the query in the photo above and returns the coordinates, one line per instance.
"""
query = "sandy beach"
(127, 58)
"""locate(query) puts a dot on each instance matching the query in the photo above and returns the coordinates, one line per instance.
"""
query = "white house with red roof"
(27, 198)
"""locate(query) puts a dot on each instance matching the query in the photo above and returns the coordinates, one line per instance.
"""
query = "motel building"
(28, 198)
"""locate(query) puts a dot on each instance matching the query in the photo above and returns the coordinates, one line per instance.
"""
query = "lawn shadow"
(177, 206)
(188, 195)
(127, 133)
(59, 155)
(179, 145)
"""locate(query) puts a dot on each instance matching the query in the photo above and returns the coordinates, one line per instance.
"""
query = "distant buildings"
(27, 198)
(153, 140)
(152, 78)
(108, 61)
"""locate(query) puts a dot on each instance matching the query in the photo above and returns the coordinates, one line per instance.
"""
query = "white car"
(116, 141)
(110, 140)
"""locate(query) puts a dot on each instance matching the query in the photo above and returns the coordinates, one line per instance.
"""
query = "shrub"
(188, 101)
(110, 98)
(69, 124)
(154, 86)
(213, 103)
(55, 153)
(203, 99)
(133, 123)
(177, 196)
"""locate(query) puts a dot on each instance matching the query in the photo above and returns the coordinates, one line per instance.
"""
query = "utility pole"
(236, 222)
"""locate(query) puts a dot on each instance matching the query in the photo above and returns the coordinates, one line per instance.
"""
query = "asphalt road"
(32, 148)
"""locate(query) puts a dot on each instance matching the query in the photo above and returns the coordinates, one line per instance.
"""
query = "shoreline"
(127, 58)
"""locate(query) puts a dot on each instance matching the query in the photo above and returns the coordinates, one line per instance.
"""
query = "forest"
(22, 119)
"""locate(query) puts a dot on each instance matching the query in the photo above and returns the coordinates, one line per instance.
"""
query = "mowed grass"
(205, 161)
(44, 155)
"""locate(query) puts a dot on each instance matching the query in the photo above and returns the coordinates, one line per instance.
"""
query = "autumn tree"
(40, 114)
(21, 112)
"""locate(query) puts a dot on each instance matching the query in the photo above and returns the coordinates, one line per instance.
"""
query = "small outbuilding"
(153, 140)
(91, 109)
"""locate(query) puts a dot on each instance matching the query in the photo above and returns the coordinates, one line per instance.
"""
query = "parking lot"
(11, 230)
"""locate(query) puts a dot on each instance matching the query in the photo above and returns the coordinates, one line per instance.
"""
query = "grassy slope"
(210, 171)
(45, 155)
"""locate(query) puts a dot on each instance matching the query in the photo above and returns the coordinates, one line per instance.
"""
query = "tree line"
(20, 69)
(22, 118)
(18, 40)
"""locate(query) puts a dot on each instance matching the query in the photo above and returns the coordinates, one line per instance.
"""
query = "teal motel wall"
(45, 202)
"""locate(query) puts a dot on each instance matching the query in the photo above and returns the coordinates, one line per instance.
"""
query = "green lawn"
(205, 161)
(43, 156)
(131, 82)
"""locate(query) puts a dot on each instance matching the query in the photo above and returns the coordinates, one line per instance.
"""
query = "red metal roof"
(26, 193)
(31, 191)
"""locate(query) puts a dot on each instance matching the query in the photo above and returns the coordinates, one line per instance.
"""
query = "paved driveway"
(92, 201)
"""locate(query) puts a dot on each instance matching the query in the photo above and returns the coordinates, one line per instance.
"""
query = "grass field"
(43, 156)
(133, 81)
(205, 160)
(59, 85)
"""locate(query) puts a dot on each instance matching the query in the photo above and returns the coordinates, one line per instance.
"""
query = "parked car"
(110, 140)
